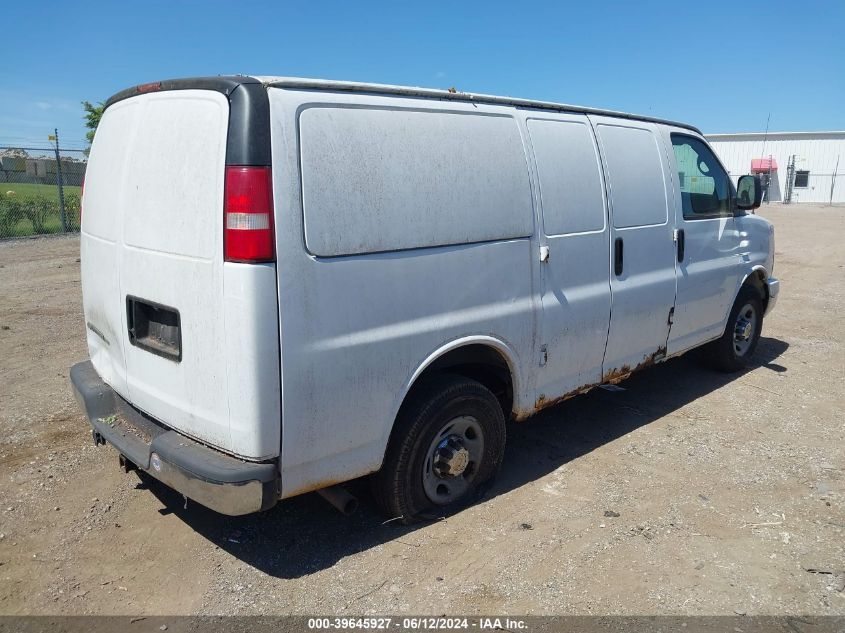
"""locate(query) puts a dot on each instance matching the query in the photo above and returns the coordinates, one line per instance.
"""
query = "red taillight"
(150, 87)
(248, 234)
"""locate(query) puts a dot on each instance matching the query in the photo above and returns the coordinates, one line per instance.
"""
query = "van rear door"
(187, 338)
(171, 258)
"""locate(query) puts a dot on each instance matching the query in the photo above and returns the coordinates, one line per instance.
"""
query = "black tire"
(728, 353)
(431, 407)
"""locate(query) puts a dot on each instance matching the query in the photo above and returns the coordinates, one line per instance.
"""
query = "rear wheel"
(448, 441)
(733, 350)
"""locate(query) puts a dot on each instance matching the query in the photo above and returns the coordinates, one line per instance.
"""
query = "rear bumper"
(774, 288)
(209, 477)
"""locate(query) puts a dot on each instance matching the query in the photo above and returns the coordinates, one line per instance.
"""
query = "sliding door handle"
(681, 244)
(618, 256)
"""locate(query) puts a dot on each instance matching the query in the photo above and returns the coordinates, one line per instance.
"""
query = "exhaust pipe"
(340, 499)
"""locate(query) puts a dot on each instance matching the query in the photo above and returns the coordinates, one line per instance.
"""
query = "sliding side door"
(642, 249)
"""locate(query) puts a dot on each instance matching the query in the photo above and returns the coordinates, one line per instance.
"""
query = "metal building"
(799, 166)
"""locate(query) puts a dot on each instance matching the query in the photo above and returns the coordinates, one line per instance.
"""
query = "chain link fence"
(40, 190)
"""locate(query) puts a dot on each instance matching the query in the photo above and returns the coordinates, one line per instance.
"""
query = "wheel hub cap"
(744, 329)
(450, 458)
(453, 460)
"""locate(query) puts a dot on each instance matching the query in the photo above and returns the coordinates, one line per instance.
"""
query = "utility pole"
(59, 182)
(763, 157)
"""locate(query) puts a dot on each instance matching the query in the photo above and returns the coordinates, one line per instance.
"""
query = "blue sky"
(723, 66)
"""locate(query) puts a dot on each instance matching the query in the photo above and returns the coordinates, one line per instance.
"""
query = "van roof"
(436, 93)
(226, 84)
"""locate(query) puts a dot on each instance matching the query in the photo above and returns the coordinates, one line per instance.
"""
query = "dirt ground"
(729, 490)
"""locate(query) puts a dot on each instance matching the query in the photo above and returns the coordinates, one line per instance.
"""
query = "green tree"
(93, 112)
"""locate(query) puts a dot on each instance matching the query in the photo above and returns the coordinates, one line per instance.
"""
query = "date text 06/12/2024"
(417, 624)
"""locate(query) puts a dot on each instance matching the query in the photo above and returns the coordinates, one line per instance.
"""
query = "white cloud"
(57, 104)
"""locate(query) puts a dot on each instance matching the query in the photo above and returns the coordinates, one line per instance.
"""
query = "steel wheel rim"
(744, 329)
(440, 487)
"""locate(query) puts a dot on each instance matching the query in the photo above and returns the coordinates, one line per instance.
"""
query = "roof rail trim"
(434, 93)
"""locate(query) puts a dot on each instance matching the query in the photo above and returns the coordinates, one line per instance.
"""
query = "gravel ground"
(689, 493)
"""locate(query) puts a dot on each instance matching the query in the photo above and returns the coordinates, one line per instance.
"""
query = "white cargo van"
(291, 283)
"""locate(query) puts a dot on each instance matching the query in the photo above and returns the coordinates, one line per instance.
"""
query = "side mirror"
(749, 192)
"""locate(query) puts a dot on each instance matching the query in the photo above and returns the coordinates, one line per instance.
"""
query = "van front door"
(710, 262)
(575, 270)
(642, 249)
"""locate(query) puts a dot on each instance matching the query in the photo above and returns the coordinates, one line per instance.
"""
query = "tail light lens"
(248, 233)
(150, 87)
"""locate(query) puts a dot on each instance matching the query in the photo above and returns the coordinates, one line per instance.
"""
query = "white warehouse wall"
(816, 152)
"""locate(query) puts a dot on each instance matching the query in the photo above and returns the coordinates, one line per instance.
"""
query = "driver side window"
(704, 186)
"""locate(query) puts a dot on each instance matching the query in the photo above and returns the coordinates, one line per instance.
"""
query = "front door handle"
(618, 256)
(681, 244)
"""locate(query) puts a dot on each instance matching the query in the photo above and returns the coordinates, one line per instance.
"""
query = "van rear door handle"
(618, 256)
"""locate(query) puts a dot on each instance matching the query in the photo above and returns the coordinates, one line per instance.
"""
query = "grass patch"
(28, 190)
(34, 209)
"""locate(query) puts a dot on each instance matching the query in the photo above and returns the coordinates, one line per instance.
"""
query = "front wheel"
(732, 351)
(448, 441)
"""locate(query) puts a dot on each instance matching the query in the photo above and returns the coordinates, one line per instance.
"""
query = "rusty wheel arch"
(477, 361)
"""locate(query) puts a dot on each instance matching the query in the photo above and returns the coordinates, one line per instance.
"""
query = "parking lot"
(691, 492)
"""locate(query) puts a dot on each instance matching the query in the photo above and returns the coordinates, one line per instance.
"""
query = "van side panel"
(355, 329)
(383, 179)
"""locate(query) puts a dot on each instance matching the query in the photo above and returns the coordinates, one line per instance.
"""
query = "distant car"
(291, 283)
